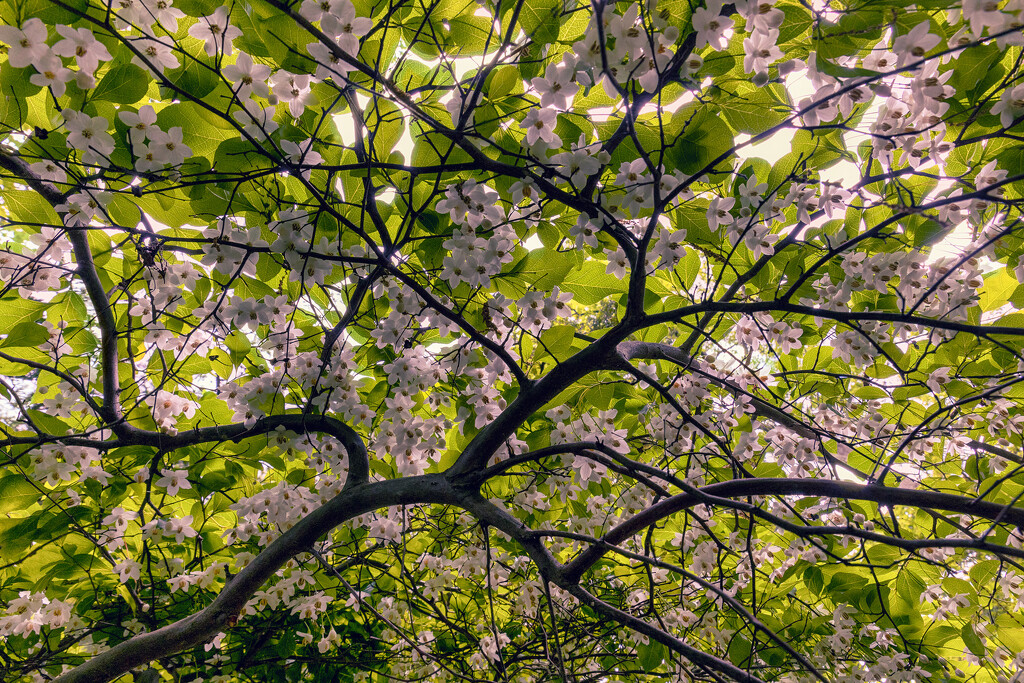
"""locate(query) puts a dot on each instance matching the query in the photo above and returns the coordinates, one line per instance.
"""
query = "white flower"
(981, 13)
(127, 569)
(293, 90)
(164, 14)
(990, 175)
(119, 518)
(577, 165)
(331, 639)
(760, 241)
(174, 480)
(760, 51)
(711, 26)
(83, 207)
(217, 642)
(301, 154)
(787, 338)
(139, 124)
(471, 203)
(216, 31)
(1012, 13)
(83, 46)
(158, 56)
(169, 146)
(27, 44)
(618, 263)
(833, 198)
(760, 15)
(937, 378)
(51, 74)
(584, 232)
(316, 10)
(916, 44)
(97, 473)
(149, 159)
(629, 38)
(342, 23)
(355, 599)
(524, 189)
(692, 65)
(718, 212)
(250, 77)
(658, 59)
(556, 88)
(880, 59)
(751, 193)
(49, 170)
(540, 125)
(180, 528)
(328, 64)
(670, 247)
(491, 646)
(89, 135)
(256, 121)
(1010, 106)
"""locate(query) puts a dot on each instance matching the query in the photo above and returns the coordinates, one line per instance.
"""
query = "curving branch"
(224, 611)
(637, 350)
(840, 490)
(109, 410)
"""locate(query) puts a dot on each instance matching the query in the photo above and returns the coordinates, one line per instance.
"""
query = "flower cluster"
(28, 47)
(164, 148)
(474, 259)
(32, 612)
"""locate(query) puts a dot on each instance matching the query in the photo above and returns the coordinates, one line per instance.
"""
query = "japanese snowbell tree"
(498, 340)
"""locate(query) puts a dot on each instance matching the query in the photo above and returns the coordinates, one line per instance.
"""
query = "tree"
(512, 340)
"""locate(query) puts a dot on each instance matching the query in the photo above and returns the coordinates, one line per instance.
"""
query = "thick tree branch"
(681, 313)
(86, 268)
(637, 350)
(698, 657)
(840, 490)
(223, 612)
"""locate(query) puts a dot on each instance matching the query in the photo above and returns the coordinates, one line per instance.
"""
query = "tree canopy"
(511, 340)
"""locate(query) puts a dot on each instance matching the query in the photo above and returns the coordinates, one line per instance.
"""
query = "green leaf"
(236, 154)
(540, 269)
(539, 19)
(814, 580)
(26, 334)
(558, 340)
(843, 583)
(54, 13)
(201, 130)
(195, 78)
(925, 232)
(29, 206)
(739, 651)
(997, 289)
(16, 493)
(750, 109)
(48, 423)
(651, 655)
(68, 308)
(124, 84)
(972, 65)
(16, 310)
(239, 346)
(705, 137)
(503, 81)
(590, 283)
(972, 641)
